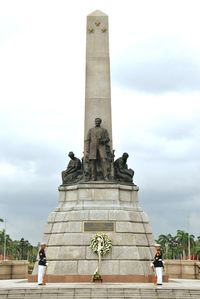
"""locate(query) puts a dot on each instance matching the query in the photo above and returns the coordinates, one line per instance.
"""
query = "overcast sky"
(155, 73)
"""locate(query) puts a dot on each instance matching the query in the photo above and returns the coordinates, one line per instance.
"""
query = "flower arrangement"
(100, 244)
(97, 277)
(106, 244)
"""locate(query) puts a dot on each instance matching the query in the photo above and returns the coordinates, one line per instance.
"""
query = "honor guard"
(42, 264)
(158, 264)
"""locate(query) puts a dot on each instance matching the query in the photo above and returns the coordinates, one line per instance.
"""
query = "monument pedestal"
(86, 209)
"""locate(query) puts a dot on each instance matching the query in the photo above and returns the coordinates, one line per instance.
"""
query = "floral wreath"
(106, 246)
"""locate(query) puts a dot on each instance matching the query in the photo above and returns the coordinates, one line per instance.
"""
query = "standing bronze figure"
(96, 151)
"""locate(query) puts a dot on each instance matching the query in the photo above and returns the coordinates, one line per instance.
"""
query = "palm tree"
(163, 241)
(4, 237)
(174, 249)
(184, 238)
(1, 242)
(168, 244)
(196, 248)
(192, 244)
(15, 250)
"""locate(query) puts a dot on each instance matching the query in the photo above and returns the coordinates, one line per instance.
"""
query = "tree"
(169, 246)
(182, 238)
(197, 248)
(17, 249)
(163, 241)
(4, 238)
(175, 247)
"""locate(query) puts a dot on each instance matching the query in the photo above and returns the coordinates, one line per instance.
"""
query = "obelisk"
(97, 85)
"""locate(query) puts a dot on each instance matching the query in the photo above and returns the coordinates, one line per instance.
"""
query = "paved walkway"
(172, 284)
(174, 289)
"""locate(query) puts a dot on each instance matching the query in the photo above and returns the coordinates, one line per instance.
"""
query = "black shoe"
(40, 284)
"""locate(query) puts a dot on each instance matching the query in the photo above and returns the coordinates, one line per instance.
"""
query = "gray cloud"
(160, 65)
(26, 204)
(170, 211)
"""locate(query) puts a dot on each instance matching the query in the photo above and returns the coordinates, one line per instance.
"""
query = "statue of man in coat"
(96, 145)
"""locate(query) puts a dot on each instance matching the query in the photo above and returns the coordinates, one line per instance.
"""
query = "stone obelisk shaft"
(97, 87)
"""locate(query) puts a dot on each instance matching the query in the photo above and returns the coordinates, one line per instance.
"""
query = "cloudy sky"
(155, 73)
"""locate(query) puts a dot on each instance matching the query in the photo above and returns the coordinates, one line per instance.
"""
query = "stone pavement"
(174, 289)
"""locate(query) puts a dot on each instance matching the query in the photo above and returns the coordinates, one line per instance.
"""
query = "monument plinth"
(85, 209)
(98, 195)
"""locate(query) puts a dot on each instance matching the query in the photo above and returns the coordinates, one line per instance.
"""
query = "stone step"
(99, 292)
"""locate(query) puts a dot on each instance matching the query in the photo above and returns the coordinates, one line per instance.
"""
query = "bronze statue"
(122, 173)
(96, 157)
(73, 173)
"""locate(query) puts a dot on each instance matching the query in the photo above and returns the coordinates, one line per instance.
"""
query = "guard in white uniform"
(42, 264)
(158, 264)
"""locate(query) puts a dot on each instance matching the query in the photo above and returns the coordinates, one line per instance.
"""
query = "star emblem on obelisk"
(90, 29)
(103, 29)
(97, 23)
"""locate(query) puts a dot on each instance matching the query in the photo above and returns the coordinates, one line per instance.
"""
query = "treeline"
(17, 249)
(181, 246)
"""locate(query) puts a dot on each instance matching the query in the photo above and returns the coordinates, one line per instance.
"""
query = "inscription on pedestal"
(98, 226)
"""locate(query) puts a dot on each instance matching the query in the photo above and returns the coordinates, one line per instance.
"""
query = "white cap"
(157, 245)
(43, 243)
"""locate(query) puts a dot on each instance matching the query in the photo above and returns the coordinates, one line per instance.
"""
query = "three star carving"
(97, 23)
